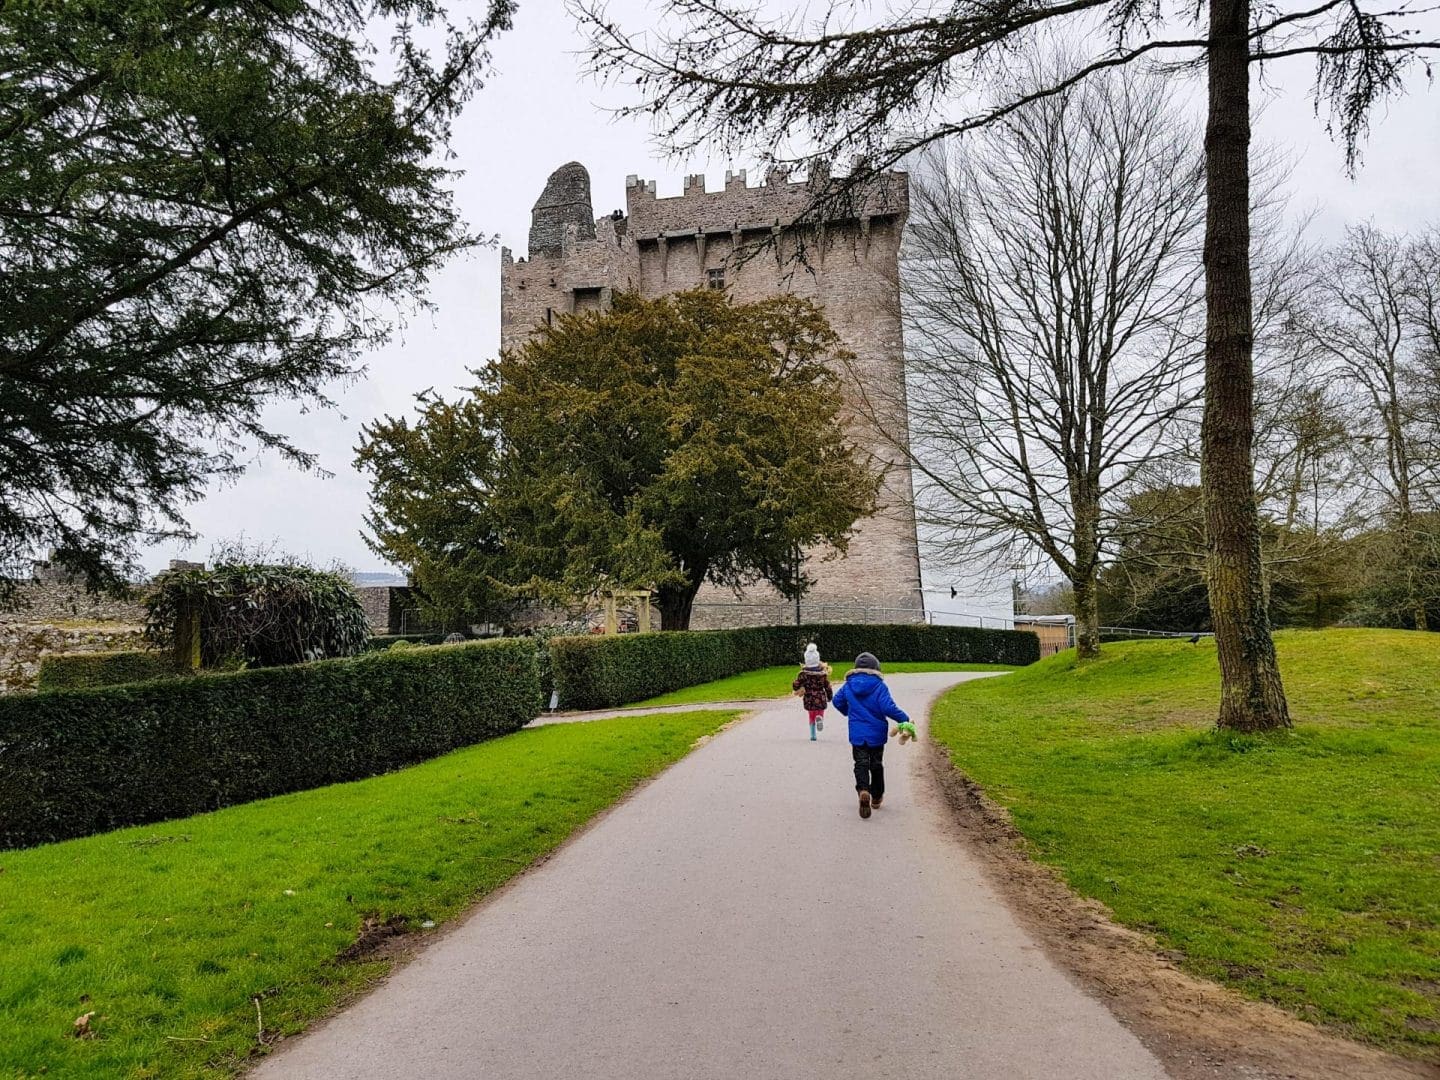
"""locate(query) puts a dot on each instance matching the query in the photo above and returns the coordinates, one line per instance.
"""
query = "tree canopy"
(204, 208)
(662, 443)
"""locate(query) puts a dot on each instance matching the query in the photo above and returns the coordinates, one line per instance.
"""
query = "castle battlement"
(740, 208)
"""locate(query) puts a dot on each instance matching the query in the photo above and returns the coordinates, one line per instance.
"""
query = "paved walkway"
(737, 918)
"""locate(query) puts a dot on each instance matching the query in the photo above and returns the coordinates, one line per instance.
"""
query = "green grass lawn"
(1303, 869)
(775, 682)
(168, 932)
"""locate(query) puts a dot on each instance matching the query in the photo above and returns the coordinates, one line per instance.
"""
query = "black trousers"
(869, 769)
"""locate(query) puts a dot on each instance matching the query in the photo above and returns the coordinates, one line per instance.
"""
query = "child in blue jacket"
(865, 700)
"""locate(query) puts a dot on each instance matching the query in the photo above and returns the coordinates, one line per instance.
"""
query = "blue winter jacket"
(866, 700)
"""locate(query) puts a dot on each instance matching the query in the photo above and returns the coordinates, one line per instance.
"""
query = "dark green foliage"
(384, 641)
(83, 761)
(604, 672)
(265, 615)
(76, 671)
(542, 636)
(658, 444)
(431, 512)
(205, 208)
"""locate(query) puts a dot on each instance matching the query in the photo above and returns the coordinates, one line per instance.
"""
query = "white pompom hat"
(812, 655)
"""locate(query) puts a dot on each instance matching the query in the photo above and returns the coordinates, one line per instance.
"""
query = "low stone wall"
(733, 616)
(22, 645)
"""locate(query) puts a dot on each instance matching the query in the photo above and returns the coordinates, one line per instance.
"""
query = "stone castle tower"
(658, 246)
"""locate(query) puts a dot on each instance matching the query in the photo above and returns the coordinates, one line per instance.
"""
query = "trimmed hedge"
(384, 641)
(76, 762)
(606, 672)
(77, 671)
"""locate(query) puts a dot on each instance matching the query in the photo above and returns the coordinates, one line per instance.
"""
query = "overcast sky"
(539, 112)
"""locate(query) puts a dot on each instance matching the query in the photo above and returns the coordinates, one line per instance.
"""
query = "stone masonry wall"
(45, 603)
(23, 646)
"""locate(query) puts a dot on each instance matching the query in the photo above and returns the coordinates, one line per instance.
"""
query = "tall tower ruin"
(662, 245)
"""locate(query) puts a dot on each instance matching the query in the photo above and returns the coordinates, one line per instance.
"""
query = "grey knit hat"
(866, 662)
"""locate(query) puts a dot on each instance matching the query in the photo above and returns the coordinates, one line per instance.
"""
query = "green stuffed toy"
(907, 732)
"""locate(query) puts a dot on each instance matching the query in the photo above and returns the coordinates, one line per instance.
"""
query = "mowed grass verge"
(170, 933)
(773, 682)
(1302, 868)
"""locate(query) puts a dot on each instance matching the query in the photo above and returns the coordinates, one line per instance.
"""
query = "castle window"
(715, 279)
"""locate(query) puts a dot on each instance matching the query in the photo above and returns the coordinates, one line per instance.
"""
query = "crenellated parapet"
(741, 208)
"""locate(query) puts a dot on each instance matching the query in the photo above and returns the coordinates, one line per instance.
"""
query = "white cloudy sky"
(539, 112)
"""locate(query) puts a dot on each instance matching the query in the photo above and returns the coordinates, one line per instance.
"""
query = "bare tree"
(1052, 300)
(1375, 310)
(722, 72)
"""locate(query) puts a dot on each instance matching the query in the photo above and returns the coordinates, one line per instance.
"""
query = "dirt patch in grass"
(378, 939)
(1198, 1029)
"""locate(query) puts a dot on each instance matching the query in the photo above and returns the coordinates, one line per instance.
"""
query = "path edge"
(403, 950)
(1197, 1028)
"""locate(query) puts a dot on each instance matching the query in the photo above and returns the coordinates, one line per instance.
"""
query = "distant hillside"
(377, 577)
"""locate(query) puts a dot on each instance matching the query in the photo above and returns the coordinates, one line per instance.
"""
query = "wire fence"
(1135, 632)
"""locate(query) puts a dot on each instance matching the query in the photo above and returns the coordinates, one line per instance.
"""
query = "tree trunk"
(1410, 555)
(675, 602)
(1087, 592)
(1087, 618)
(1251, 695)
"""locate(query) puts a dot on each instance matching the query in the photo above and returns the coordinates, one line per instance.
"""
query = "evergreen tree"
(204, 208)
(660, 444)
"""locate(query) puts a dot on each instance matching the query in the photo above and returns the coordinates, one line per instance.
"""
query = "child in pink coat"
(813, 684)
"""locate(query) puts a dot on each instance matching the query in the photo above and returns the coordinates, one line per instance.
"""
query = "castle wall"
(585, 271)
(672, 244)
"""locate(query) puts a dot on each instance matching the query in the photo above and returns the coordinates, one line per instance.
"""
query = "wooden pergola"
(612, 618)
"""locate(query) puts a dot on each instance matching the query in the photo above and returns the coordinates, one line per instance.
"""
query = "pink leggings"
(816, 715)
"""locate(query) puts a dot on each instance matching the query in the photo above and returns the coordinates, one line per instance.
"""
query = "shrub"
(605, 672)
(75, 762)
(384, 641)
(75, 671)
(263, 614)
(542, 636)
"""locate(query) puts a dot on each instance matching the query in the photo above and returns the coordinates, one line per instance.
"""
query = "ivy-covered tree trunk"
(1251, 695)
(1087, 618)
(675, 603)
(1086, 542)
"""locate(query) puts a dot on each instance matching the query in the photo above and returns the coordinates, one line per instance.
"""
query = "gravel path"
(736, 918)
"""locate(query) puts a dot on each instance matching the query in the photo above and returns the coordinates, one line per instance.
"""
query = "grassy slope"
(1303, 868)
(167, 931)
(775, 682)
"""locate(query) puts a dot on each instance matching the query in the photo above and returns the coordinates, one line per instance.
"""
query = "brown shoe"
(864, 804)
(876, 801)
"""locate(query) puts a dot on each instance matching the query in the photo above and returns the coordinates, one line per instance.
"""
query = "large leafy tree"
(836, 80)
(430, 507)
(204, 208)
(662, 443)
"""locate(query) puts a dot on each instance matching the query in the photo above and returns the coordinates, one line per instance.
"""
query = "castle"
(658, 246)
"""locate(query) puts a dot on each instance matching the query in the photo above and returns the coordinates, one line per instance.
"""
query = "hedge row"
(605, 672)
(77, 671)
(384, 641)
(76, 762)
